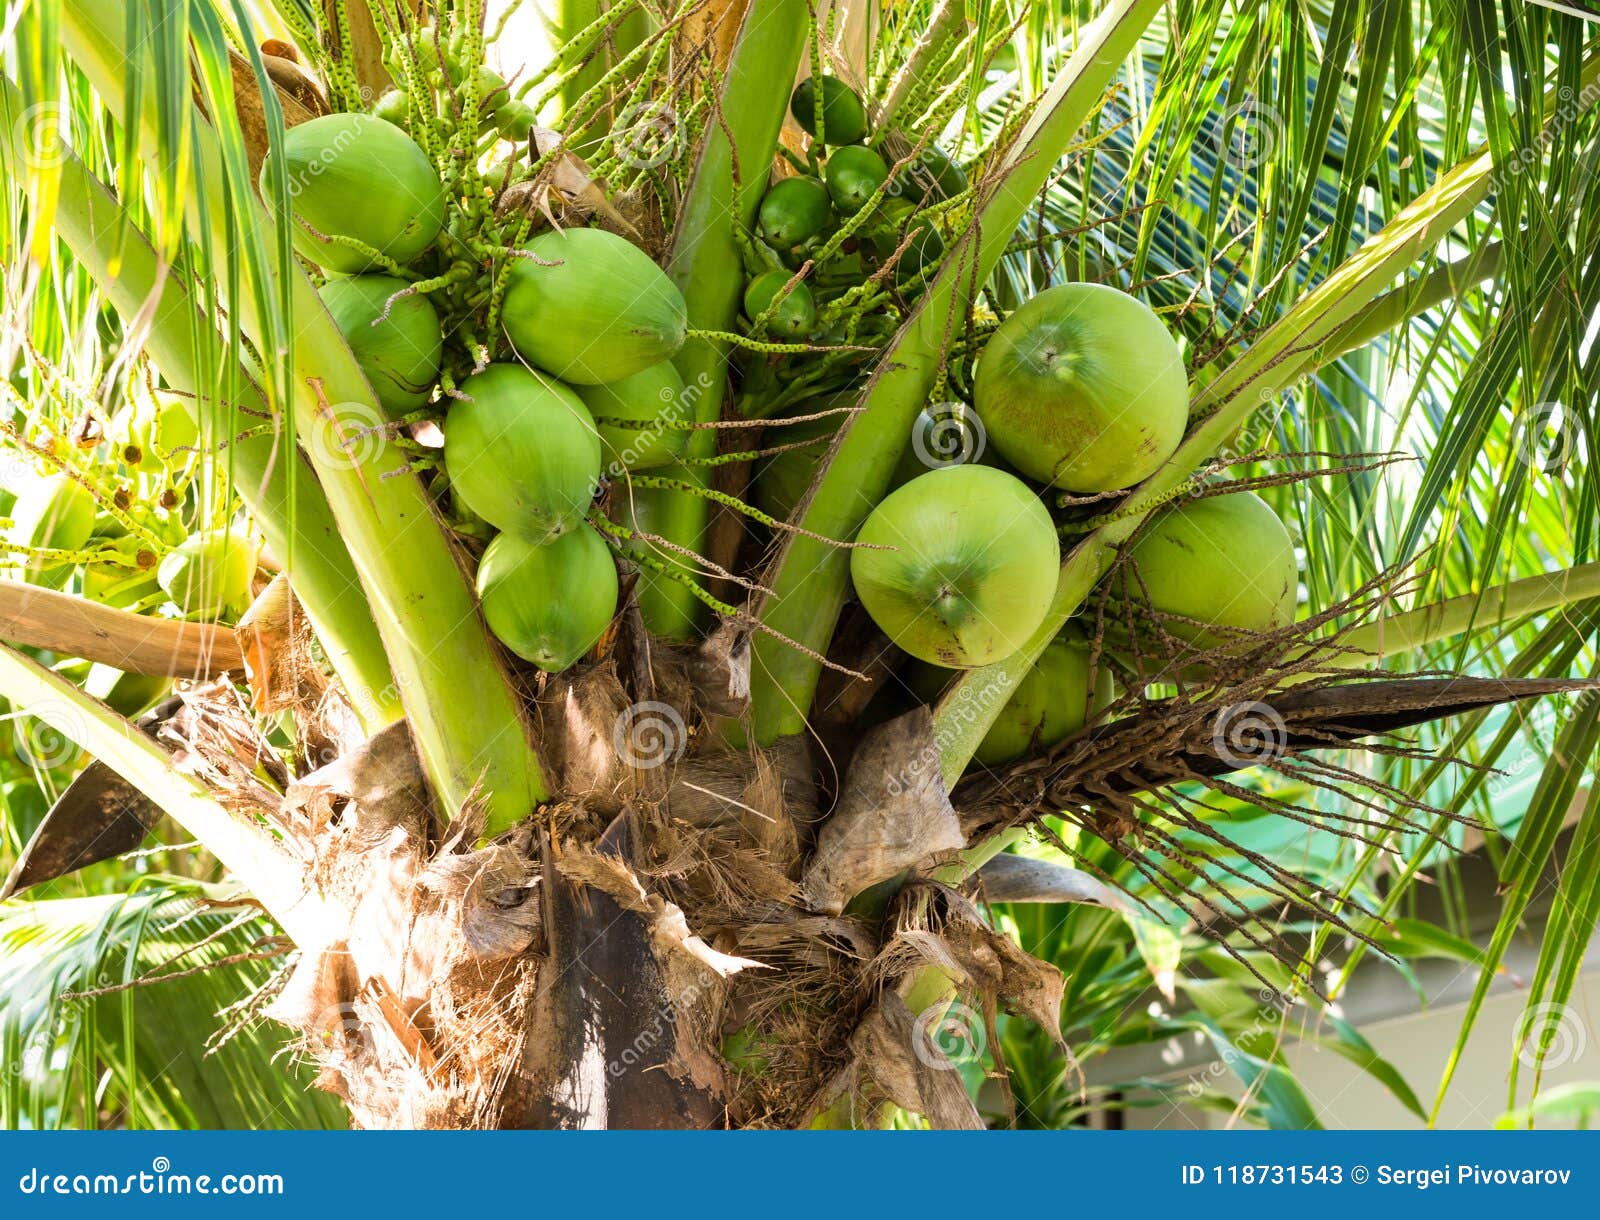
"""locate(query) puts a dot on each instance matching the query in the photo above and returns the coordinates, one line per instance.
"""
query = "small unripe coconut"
(1054, 698)
(400, 353)
(796, 315)
(1226, 562)
(394, 107)
(854, 175)
(1083, 388)
(653, 398)
(794, 211)
(594, 307)
(972, 569)
(353, 175)
(548, 603)
(844, 115)
(522, 451)
(209, 573)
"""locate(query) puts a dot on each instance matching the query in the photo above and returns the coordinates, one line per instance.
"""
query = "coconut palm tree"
(676, 836)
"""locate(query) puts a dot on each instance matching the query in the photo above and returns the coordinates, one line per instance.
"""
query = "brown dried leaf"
(893, 814)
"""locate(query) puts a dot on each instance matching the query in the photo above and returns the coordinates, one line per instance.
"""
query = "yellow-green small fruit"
(209, 573)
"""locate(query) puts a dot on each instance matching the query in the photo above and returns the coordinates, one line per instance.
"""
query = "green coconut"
(399, 353)
(591, 307)
(1054, 698)
(1083, 388)
(793, 212)
(394, 107)
(359, 177)
(923, 251)
(522, 451)
(844, 115)
(796, 315)
(854, 175)
(208, 574)
(52, 512)
(972, 567)
(548, 603)
(1225, 562)
(654, 398)
(931, 177)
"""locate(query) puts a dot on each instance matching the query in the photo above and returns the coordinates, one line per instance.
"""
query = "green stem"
(245, 848)
(809, 580)
(466, 719)
(706, 264)
(279, 488)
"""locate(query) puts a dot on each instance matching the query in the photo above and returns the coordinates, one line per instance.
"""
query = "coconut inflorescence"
(553, 378)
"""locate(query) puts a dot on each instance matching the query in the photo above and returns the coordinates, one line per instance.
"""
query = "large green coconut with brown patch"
(1211, 569)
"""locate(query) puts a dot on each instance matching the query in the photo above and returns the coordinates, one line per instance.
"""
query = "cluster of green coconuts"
(799, 214)
(1080, 390)
(596, 323)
